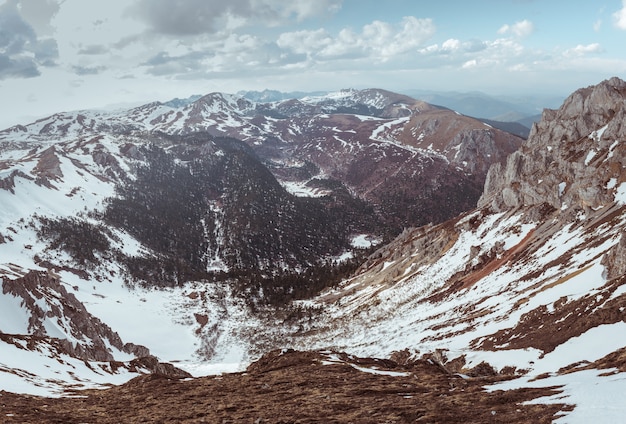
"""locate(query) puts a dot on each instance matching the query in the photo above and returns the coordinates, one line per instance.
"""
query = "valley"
(290, 243)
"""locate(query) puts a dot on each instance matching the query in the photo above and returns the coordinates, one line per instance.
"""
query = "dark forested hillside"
(206, 198)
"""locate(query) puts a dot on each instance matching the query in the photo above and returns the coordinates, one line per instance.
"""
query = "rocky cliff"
(573, 159)
(54, 312)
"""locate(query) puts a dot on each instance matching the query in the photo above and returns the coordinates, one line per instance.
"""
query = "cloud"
(619, 17)
(308, 42)
(93, 49)
(21, 51)
(88, 70)
(518, 29)
(473, 63)
(380, 41)
(235, 54)
(11, 67)
(193, 17)
(39, 14)
(502, 54)
(597, 25)
(582, 50)
(454, 46)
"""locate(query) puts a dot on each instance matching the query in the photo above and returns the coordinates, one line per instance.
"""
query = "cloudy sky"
(58, 55)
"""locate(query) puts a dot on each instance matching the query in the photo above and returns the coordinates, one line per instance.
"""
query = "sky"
(62, 55)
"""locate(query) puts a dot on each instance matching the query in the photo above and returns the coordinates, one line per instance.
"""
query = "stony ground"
(294, 387)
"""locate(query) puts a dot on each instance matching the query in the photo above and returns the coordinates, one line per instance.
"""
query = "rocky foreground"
(298, 387)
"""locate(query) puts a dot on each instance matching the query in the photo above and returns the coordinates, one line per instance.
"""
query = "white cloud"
(620, 17)
(304, 42)
(470, 64)
(582, 50)
(380, 41)
(451, 45)
(518, 29)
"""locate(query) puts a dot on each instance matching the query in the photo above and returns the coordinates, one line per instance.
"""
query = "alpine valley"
(358, 256)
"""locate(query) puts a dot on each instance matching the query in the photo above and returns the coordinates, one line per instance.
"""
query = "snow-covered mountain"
(532, 282)
(262, 202)
(152, 218)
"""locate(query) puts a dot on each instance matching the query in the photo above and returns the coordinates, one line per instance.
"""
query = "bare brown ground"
(293, 387)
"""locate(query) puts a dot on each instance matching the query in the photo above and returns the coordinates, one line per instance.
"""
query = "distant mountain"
(213, 232)
(263, 204)
(516, 128)
(179, 103)
(268, 96)
(530, 120)
(481, 105)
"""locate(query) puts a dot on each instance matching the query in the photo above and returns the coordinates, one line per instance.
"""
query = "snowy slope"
(535, 285)
(531, 282)
(72, 179)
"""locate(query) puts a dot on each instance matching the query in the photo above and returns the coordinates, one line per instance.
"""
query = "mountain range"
(208, 232)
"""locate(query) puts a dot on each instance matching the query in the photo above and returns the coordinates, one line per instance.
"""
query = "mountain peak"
(572, 157)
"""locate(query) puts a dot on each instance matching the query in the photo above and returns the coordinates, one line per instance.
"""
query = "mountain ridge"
(141, 199)
(530, 283)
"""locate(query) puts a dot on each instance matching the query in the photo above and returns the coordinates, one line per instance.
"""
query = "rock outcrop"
(574, 158)
(615, 260)
(50, 305)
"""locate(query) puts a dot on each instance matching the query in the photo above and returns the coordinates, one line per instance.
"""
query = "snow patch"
(620, 194)
(590, 156)
(364, 241)
(611, 183)
(301, 189)
(597, 135)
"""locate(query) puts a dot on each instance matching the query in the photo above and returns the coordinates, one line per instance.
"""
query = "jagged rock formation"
(50, 306)
(615, 260)
(573, 158)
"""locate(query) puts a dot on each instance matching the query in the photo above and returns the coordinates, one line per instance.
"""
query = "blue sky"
(60, 55)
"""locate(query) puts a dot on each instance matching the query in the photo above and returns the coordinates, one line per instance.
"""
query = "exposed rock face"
(152, 364)
(48, 303)
(575, 157)
(8, 183)
(615, 260)
(48, 167)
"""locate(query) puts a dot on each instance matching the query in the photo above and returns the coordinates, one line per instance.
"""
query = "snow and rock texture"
(529, 285)
(533, 281)
(397, 154)
(211, 200)
(573, 159)
(49, 310)
(290, 386)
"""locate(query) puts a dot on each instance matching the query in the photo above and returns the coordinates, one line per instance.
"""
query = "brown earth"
(294, 387)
